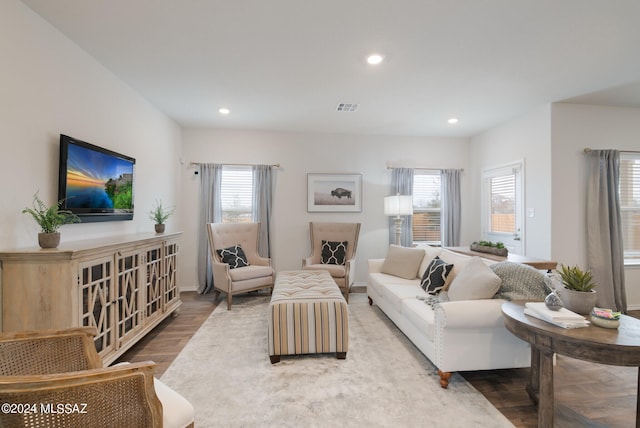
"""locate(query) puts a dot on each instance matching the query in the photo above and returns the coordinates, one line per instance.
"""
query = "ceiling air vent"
(347, 107)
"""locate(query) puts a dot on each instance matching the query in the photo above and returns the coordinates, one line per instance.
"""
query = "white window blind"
(503, 203)
(630, 205)
(426, 207)
(236, 194)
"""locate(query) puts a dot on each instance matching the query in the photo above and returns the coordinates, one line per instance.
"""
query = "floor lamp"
(397, 206)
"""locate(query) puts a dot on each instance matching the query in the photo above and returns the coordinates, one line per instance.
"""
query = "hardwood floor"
(604, 394)
(163, 344)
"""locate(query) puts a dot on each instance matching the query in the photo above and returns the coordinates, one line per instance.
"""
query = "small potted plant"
(159, 215)
(489, 247)
(578, 294)
(49, 219)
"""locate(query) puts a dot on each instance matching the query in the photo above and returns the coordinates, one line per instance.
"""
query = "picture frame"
(334, 192)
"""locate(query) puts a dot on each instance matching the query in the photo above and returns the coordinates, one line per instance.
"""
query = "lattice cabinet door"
(171, 291)
(129, 315)
(96, 286)
(153, 288)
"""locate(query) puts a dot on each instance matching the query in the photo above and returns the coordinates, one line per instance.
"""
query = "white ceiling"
(286, 64)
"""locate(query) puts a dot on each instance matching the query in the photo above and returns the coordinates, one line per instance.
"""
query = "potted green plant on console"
(578, 294)
(159, 214)
(49, 219)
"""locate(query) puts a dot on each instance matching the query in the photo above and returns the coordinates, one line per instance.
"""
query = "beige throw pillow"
(403, 262)
(475, 281)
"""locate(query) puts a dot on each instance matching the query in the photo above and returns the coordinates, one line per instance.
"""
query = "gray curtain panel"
(263, 205)
(451, 207)
(402, 183)
(210, 212)
(605, 255)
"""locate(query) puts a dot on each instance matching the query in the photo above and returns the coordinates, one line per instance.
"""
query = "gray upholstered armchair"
(328, 253)
(237, 266)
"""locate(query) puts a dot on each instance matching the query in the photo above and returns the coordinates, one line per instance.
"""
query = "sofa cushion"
(333, 252)
(403, 262)
(435, 276)
(420, 314)
(233, 256)
(250, 272)
(459, 261)
(475, 281)
(430, 253)
(396, 294)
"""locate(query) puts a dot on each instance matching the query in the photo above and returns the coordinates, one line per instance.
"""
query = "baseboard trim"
(359, 287)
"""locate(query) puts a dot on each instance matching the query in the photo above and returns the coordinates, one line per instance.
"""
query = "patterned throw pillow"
(333, 253)
(520, 282)
(233, 256)
(435, 277)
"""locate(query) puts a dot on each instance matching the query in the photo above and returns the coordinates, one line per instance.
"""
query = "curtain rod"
(275, 165)
(588, 150)
(424, 169)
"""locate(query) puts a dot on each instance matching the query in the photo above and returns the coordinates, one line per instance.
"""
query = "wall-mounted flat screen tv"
(95, 183)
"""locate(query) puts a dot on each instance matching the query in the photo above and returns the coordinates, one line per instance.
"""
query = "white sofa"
(458, 335)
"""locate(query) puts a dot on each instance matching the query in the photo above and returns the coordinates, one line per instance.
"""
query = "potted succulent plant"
(578, 294)
(159, 215)
(49, 219)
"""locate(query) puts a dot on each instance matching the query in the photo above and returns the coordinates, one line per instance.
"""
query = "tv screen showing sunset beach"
(98, 180)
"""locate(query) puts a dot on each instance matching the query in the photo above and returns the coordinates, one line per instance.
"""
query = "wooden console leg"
(444, 378)
(370, 300)
(274, 359)
(341, 355)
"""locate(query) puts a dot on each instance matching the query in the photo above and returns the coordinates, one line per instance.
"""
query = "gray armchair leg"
(229, 296)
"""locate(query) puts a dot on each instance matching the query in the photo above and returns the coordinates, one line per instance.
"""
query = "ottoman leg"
(341, 355)
(274, 358)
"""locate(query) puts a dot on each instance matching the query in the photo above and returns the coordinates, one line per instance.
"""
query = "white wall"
(302, 153)
(528, 139)
(50, 86)
(575, 127)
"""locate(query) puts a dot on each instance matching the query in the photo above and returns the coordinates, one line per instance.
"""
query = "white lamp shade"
(398, 205)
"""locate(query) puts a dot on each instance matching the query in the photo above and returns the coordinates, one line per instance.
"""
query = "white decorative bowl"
(604, 322)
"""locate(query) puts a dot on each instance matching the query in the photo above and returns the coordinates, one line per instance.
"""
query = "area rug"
(224, 371)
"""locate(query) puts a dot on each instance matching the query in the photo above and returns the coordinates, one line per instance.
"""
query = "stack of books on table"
(563, 318)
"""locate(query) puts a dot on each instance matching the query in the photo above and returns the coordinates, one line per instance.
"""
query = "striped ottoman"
(307, 315)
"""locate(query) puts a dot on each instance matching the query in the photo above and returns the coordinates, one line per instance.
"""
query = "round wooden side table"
(619, 347)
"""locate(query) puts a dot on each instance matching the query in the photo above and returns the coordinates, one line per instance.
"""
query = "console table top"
(541, 264)
(71, 249)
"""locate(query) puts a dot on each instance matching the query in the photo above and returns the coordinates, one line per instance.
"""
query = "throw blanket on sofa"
(520, 282)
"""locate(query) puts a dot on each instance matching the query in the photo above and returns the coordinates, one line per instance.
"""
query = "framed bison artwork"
(334, 192)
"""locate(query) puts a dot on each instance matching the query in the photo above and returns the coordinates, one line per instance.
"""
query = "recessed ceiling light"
(453, 121)
(224, 111)
(374, 59)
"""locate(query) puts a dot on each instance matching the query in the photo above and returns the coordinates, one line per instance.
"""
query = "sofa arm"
(375, 265)
(469, 314)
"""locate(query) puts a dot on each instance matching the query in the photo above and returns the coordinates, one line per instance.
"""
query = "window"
(236, 194)
(502, 206)
(426, 207)
(630, 205)
(503, 203)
